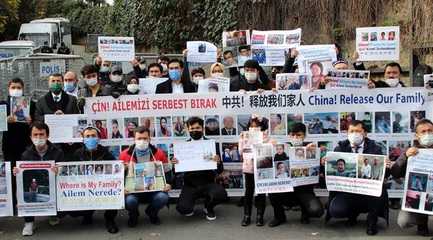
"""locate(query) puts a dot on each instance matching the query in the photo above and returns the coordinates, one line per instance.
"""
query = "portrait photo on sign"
(367, 119)
(342, 166)
(382, 122)
(101, 125)
(231, 178)
(180, 128)
(212, 125)
(370, 167)
(321, 123)
(149, 123)
(163, 126)
(230, 56)
(282, 169)
(116, 128)
(228, 125)
(346, 119)
(280, 153)
(130, 124)
(292, 119)
(230, 152)
(278, 124)
(397, 148)
(417, 181)
(400, 122)
(78, 130)
(415, 117)
(36, 185)
(413, 199)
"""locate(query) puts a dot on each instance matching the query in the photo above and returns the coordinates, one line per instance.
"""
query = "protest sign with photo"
(418, 187)
(378, 43)
(201, 52)
(148, 85)
(214, 84)
(355, 173)
(236, 47)
(36, 188)
(145, 177)
(293, 81)
(66, 127)
(195, 155)
(270, 176)
(121, 49)
(3, 118)
(428, 80)
(20, 108)
(348, 79)
(232, 178)
(92, 185)
(304, 164)
(6, 207)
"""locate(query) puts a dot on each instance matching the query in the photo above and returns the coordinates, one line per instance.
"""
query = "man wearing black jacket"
(178, 82)
(93, 151)
(302, 196)
(253, 78)
(349, 205)
(40, 150)
(424, 140)
(200, 184)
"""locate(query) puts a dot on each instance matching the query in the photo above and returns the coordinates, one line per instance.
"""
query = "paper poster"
(47, 68)
(20, 108)
(145, 177)
(355, 173)
(195, 155)
(232, 178)
(3, 118)
(118, 49)
(303, 163)
(236, 47)
(92, 185)
(281, 39)
(201, 52)
(214, 84)
(67, 128)
(428, 80)
(6, 207)
(293, 81)
(418, 187)
(348, 79)
(378, 43)
(148, 85)
(36, 188)
(268, 56)
(270, 176)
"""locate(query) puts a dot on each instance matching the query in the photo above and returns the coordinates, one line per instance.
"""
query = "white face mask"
(296, 142)
(197, 79)
(116, 78)
(141, 144)
(251, 77)
(392, 82)
(355, 139)
(142, 66)
(218, 74)
(426, 140)
(133, 88)
(91, 82)
(39, 142)
(16, 92)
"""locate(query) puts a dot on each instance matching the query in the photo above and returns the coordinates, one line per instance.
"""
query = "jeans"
(156, 200)
(259, 199)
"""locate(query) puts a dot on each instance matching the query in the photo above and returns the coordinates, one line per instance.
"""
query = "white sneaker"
(28, 229)
(189, 214)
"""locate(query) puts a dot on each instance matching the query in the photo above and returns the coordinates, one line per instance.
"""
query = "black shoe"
(395, 204)
(87, 220)
(351, 222)
(153, 217)
(246, 221)
(210, 214)
(133, 219)
(305, 219)
(259, 220)
(111, 226)
(276, 222)
(422, 230)
(372, 230)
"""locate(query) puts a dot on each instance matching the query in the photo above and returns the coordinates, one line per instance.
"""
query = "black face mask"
(196, 135)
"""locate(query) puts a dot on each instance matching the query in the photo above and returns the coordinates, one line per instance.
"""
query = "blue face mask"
(91, 143)
(174, 74)
(69, 87)
(141, 153)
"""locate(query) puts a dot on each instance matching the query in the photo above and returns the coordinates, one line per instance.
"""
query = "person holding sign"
(115, 87)
(392, 77)
(252, 79)
(424, 139)
(93, 151)
(349, 205)
(142, 151)
(200, 184)
(177, 82)
(246, 149)
(155, 70)
(302, 196)
(40, 150)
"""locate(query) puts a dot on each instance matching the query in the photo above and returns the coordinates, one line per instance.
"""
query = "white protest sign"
(148, 85)
(145, 177)
(120, 49)
(201, 52)
(348, 79)
(378, 43)
(214, 84)
(195, 155)
(355, 173)
(6, 207)
(3, 118)
(293, 81)
(66, 127)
